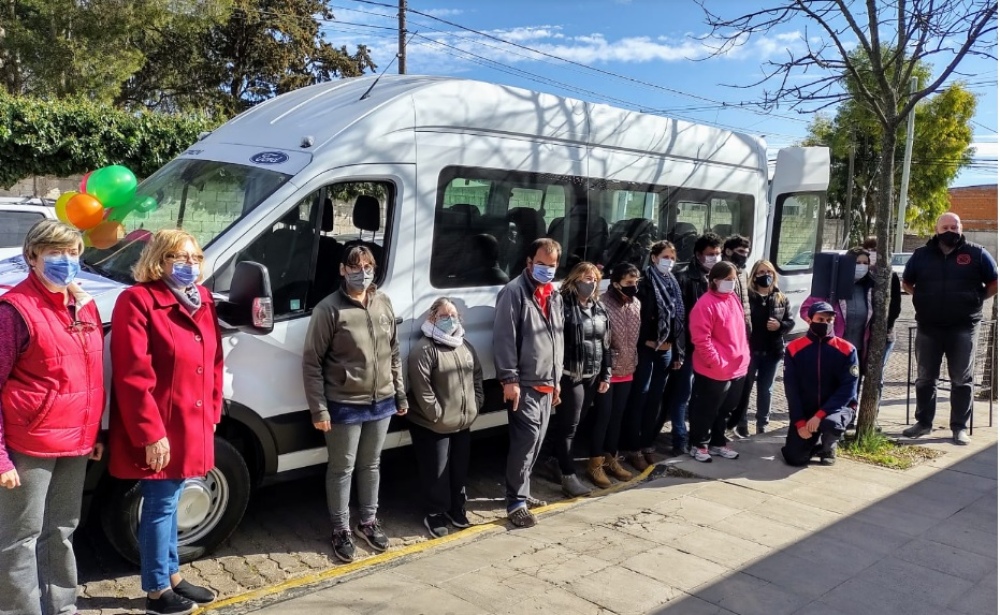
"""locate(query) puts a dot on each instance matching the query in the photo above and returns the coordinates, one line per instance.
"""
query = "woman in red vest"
(51, 400)
(166, 399)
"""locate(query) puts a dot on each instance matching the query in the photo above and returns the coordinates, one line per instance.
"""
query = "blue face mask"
(543, 274)
(447, 325)
(185, 274)
(60, 269)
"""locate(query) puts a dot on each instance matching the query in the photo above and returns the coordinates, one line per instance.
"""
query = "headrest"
(327, 226)
(366, 213)
(292, 219)
(685, 228)
(466, 208)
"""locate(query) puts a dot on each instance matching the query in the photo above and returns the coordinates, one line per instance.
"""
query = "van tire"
(224, 493)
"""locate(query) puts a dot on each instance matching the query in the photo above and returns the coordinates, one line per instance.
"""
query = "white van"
(447, 181)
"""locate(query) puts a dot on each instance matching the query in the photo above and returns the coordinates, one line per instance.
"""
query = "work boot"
(637, 460)
(616, 469)
(596, 474)
(651, 456)
(573, 487)
(916, 430)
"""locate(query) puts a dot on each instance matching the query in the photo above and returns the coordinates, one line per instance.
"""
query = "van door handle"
(795, 292)
(399, 320)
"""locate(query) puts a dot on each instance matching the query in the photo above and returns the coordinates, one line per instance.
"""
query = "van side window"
(796, 231)
(302, 251)
(690, 213)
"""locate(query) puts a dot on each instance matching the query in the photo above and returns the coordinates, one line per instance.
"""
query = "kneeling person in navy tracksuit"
(821, 386)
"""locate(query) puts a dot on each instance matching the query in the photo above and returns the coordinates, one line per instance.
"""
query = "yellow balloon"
(61, 205)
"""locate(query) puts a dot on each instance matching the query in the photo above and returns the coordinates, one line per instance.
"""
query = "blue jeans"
(676, 400)
(763, 369)
(158, 533)
(648, 381)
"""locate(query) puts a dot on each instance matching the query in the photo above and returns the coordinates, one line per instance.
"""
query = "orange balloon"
(106, 234)
(84, 211)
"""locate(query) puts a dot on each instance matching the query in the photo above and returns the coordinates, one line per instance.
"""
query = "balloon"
(84, 211)
(118, 214)
(145, 205)
(86, 241)
(61, 205)
(112, 186)
(140, 234)
(106, 234)
(83, 182)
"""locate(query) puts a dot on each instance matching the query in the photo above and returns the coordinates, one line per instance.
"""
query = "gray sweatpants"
(37, 520)
(526, 428)
(353, 450)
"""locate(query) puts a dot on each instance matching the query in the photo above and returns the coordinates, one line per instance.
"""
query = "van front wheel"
(210, 508)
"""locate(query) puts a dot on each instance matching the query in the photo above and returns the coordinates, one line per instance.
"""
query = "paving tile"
(678, 569)
(554, 600)
(892, 515)
(819, 608)
(687, 604)
(607, 544)
(495, 588)
(980, 600)
(860, 533)
(977, 518)
(653, 527)
(730, 495)
(622, 591)
(952, 532)
(797, 575)
(947, 559)
(755, 528)
(557, 564)
(821, 497)
(694, 510)
(720, 547)
(863, 595)
(827, 550)
(785, 510)
(748, 595)
(919, 582)
(436, 567)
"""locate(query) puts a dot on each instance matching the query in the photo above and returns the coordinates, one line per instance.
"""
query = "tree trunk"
(872, 365)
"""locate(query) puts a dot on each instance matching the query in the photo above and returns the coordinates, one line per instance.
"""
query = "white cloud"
(986, 149)
(444, 12)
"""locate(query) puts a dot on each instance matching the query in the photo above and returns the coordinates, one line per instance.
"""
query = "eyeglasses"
(184, 256)
(81, 326)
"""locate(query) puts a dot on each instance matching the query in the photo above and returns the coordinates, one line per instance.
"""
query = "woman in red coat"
(51, 401)
(166, 399)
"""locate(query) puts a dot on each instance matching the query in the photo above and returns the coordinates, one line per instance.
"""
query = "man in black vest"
(949, 280)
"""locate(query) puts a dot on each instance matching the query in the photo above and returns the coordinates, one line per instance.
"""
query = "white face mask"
(726, 286)
(860, 271)
(710, 261)
(665, 265)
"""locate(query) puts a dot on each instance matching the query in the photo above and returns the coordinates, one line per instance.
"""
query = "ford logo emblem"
(269, 158)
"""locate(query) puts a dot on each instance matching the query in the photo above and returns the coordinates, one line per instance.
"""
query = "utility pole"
(848, 218)
(904, 185)
(401, 54)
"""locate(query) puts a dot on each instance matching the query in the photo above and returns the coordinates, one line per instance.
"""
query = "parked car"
(17, 215)
(899, 262)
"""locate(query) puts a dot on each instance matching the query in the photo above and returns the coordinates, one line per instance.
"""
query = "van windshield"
(203, 197)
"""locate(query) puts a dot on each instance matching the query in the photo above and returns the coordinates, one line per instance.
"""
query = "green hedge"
(62, 138)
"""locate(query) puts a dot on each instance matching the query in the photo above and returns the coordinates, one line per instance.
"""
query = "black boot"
(828, 453)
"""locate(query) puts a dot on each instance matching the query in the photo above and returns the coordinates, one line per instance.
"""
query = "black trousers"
(577, 397)
(797, 450)
(958, 345)
(443, 464)
(712, 401)
(607, 412)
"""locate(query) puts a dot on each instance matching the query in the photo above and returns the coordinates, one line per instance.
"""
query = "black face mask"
(821, 329)
(738, 259)
(763, 281)
(949, 238)
(628, 291)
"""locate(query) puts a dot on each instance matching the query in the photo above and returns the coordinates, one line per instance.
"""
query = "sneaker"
(194, 593)
(732, 436)
(372, 534)
(437, 525)
(637, 460)
(828, 457)
(960, 437)
(916, 430)
(343, 546)
(522, 517)
(535, 502)
(573, 487)
(459, 519)
(743, 431)
(701, 454)
(723, 451)
(169, 603)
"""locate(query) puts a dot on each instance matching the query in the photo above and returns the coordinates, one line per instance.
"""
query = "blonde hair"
(574, 277)
(774, 283)
(439, 303)
(50, 234)
(150, 265)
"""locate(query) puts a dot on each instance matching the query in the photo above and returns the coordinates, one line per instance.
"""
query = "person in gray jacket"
(446, 381)
(528, 354)
(353, 377)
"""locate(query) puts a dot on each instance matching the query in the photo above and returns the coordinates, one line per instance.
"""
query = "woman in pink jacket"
(720, 360)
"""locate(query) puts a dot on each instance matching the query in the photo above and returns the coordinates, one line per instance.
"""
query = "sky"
(650, 55)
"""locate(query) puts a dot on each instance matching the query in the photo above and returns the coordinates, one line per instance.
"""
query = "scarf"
(453, 340)
(664, 305)
(189, 297)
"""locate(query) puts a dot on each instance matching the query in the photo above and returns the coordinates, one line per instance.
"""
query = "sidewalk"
(747, 536)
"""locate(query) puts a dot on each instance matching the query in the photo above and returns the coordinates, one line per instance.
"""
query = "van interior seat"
(367, 216)
(583, 237)
(629, 241)
(723, 230)
(328, 256)
(529, 226)
(683, 236)
(484, 270)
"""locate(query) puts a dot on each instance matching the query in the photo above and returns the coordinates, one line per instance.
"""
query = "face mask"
(585, 289)
(543, 274)
(860, 271)
(821, 329)
(447, 324)
(764, 281)
(726, 286)
(184, 274)
(60, 270)
(949, 238)
(359, 281)
(665, 265)
(738, 259)
(629, 291)
(709, 261)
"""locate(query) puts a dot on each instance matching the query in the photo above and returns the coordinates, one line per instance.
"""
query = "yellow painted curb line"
(388, 556)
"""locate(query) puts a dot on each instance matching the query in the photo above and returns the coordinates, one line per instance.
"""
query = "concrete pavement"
(746, 536)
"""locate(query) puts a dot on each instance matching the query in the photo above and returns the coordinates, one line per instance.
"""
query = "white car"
(899, 262)
(17, 215)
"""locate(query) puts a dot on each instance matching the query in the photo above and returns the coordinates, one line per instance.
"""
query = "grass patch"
(878, 449)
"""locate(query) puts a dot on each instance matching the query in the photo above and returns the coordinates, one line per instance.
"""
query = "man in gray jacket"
(528, 354)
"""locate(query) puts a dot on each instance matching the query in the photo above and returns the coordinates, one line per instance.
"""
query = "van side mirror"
(250, 307)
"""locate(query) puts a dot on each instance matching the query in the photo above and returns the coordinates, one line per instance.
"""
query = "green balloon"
(145, 204)
(113, 186)
(118, 214)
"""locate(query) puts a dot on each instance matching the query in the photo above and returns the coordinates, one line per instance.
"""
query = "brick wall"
(976, 206)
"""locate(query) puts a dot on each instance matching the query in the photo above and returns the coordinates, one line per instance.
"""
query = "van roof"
(404, 103)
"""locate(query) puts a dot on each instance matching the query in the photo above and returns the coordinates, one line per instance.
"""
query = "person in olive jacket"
(353, 377)
(446, 381)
